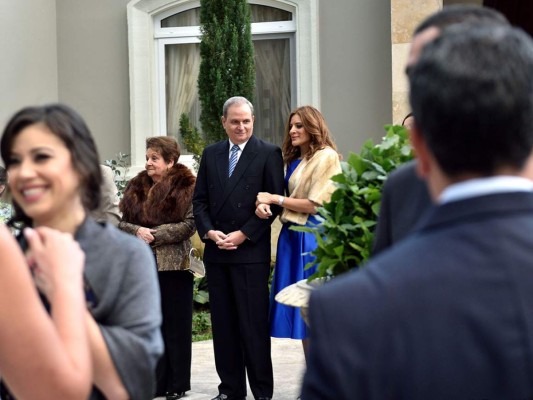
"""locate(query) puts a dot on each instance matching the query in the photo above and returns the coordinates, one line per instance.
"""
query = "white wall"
(28, 71)
(93, 68)
(72, 51)
(355, 70)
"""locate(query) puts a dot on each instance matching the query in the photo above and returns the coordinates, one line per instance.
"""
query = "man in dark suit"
(446, 313)
(405, 199)
(237, 249)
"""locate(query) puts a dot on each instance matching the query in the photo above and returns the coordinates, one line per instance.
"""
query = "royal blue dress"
(286, 321)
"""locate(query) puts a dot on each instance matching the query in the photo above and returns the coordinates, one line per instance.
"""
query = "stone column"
(405, 16)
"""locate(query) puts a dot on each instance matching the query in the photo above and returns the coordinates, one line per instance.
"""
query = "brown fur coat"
(165, 206)
(150, 204)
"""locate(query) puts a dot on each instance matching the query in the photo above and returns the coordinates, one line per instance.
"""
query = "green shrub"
(201, 326)
(5, 212)
(345, 235)
(200, 293)
(192, 139)
(120, 166)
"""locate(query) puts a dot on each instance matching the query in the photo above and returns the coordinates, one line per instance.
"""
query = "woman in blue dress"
(311, 159)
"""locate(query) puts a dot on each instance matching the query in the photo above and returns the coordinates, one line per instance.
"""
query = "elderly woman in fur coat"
(157, 208)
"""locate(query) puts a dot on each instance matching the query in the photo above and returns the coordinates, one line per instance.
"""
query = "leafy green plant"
(120, 166)
(200, 293)
(5, 212)
(345, 234)
(192, 138)
(201, 326)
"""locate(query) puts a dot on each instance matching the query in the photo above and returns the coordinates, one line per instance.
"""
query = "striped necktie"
(233, 158)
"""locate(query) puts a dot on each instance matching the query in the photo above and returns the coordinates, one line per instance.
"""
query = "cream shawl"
(312, 180)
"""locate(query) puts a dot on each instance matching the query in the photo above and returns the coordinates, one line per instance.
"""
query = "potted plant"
(5, 211)
(346, 232)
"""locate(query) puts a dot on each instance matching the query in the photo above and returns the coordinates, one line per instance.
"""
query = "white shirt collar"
(241, 146)
(483, 186)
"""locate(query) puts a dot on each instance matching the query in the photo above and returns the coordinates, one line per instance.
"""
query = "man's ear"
(527, 170)
(422, 152)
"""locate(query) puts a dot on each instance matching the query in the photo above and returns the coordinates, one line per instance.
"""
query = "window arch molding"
(144, 99)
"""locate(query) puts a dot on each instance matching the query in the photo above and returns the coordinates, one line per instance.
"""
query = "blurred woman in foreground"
(55, 180)
(43, 356)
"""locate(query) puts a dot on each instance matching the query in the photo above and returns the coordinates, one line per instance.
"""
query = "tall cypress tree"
(227, 60)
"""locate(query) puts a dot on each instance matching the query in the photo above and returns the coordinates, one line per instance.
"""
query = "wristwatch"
(281, 199)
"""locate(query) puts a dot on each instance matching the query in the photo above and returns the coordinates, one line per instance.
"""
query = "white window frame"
(183, 35)
(162, 92)
(145, 35)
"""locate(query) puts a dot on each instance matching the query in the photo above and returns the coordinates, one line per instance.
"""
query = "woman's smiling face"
(42, 178)
(156, 166)
(299, 136)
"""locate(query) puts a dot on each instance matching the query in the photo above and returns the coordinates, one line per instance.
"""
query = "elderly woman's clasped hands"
(146, 234)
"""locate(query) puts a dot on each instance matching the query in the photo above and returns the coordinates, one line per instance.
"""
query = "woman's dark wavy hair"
(315, 125)
(69, 127)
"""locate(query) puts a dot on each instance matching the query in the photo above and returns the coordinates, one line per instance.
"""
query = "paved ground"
(287, 359)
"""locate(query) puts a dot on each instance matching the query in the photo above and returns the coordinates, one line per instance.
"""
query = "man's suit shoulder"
(375, 279)
(253, 142)
(257, 144)
(215, 147)
(268, 145)
(405, 174)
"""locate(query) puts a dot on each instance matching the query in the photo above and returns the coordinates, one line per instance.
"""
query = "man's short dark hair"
(461, 13)
(472, 94)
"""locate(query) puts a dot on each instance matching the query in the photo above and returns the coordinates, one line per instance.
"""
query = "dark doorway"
(518, 12)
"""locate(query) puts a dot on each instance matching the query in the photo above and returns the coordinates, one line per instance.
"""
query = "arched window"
(171, 88)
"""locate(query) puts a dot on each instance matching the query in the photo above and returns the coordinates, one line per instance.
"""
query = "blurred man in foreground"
(446, 313)
(405, 199)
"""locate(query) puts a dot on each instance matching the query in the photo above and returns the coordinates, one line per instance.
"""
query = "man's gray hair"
(236, 100)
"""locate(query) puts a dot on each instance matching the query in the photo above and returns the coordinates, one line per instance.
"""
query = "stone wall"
(405, 16)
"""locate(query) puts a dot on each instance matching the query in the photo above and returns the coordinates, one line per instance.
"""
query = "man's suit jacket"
(405, 199)
(446, 314)
(228, 204)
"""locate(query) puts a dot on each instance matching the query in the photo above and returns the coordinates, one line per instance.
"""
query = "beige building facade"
(100, 57)
(405, 16)
(79, 52)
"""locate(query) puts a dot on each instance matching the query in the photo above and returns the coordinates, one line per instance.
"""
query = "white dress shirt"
(483, 186)
(241, 147)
